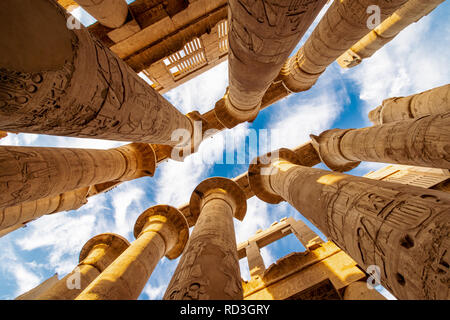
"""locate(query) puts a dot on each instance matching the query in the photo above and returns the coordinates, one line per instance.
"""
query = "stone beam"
(32, 173)
(209, 266)
(110, 13)
(433, 101)
(95, 256)
(419, 142)
(412, 11)
(65, 82)
(344, 23)
(262, 35)
(160, 231)
(399, 228)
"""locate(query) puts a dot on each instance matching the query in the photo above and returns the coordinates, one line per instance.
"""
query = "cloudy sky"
(417, 60)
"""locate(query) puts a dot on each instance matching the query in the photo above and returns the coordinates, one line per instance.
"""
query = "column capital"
(112, 244)
(257, 179)
(155, 218)
(219, 185)
(144, 162)
(327, 145)
(230, 116)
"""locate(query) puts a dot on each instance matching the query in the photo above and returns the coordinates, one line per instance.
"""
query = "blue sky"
(417, 60)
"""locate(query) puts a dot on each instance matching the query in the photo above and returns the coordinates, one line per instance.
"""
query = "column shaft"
(96, 255)
(262, 35)
(62, 81)
(209, 267)
(423, 142)
(254, 258)
(110, 13)
(412, 11)
(344, 23)
(31, 173)
(25, 212)
(401, 229)
(434, 101)
(160, 230)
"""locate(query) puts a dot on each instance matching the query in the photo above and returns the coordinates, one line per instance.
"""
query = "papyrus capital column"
(399, 228)
(95, 256)
(160, 231)
(110, 13)
(62, 81)
(209, 267)
(31, 173)
(422, 141)
(261, 37)
(433, 101)
(344, 23)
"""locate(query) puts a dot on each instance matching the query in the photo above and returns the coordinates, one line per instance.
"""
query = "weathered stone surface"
(65, 82)
(262, 35)
(344, 23)
(412, 11)
(433, 101)
(209, 266)
(32, 173)
(404, 230)
(95, 256)
(422, 141)
(160, 230)
(359, 291)
(110, 13)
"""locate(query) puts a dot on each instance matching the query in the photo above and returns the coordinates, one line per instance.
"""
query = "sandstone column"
(3, 134)
(31, 173)
(434, 101)
(423, 142)
(110, 13)
(160, 230)
(254, 258)
(97, 254)
(28, 211)
(262, 35)
(303, 233)
(344, 23)
(404, 230)
(60, 81)
(209, 267)
(358, 290)
(412, 11)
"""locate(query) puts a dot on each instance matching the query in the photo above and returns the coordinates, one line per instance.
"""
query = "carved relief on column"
(344, 23)
(141, 160)
(160, 230)
(95, 256)
(65, 82)
(404, 230)
(209, 267)
(433, 101)
(423, 142)
(262, 35)
(28, 211)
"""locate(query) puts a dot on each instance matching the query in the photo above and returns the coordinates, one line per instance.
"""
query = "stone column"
(399, 228)
(412, 11)
(358, 290)
(60, 81)
(31, 173)
(255, 260)
(303, 233)
(434, 101)
(110, 13)
(422, 142)
(160, 230)
(28, 211)
(209, 267)
(3, 134)
(261, 37)
(344, 23)
(97, 254)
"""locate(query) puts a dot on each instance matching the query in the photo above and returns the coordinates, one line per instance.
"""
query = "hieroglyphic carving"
(93, 94)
